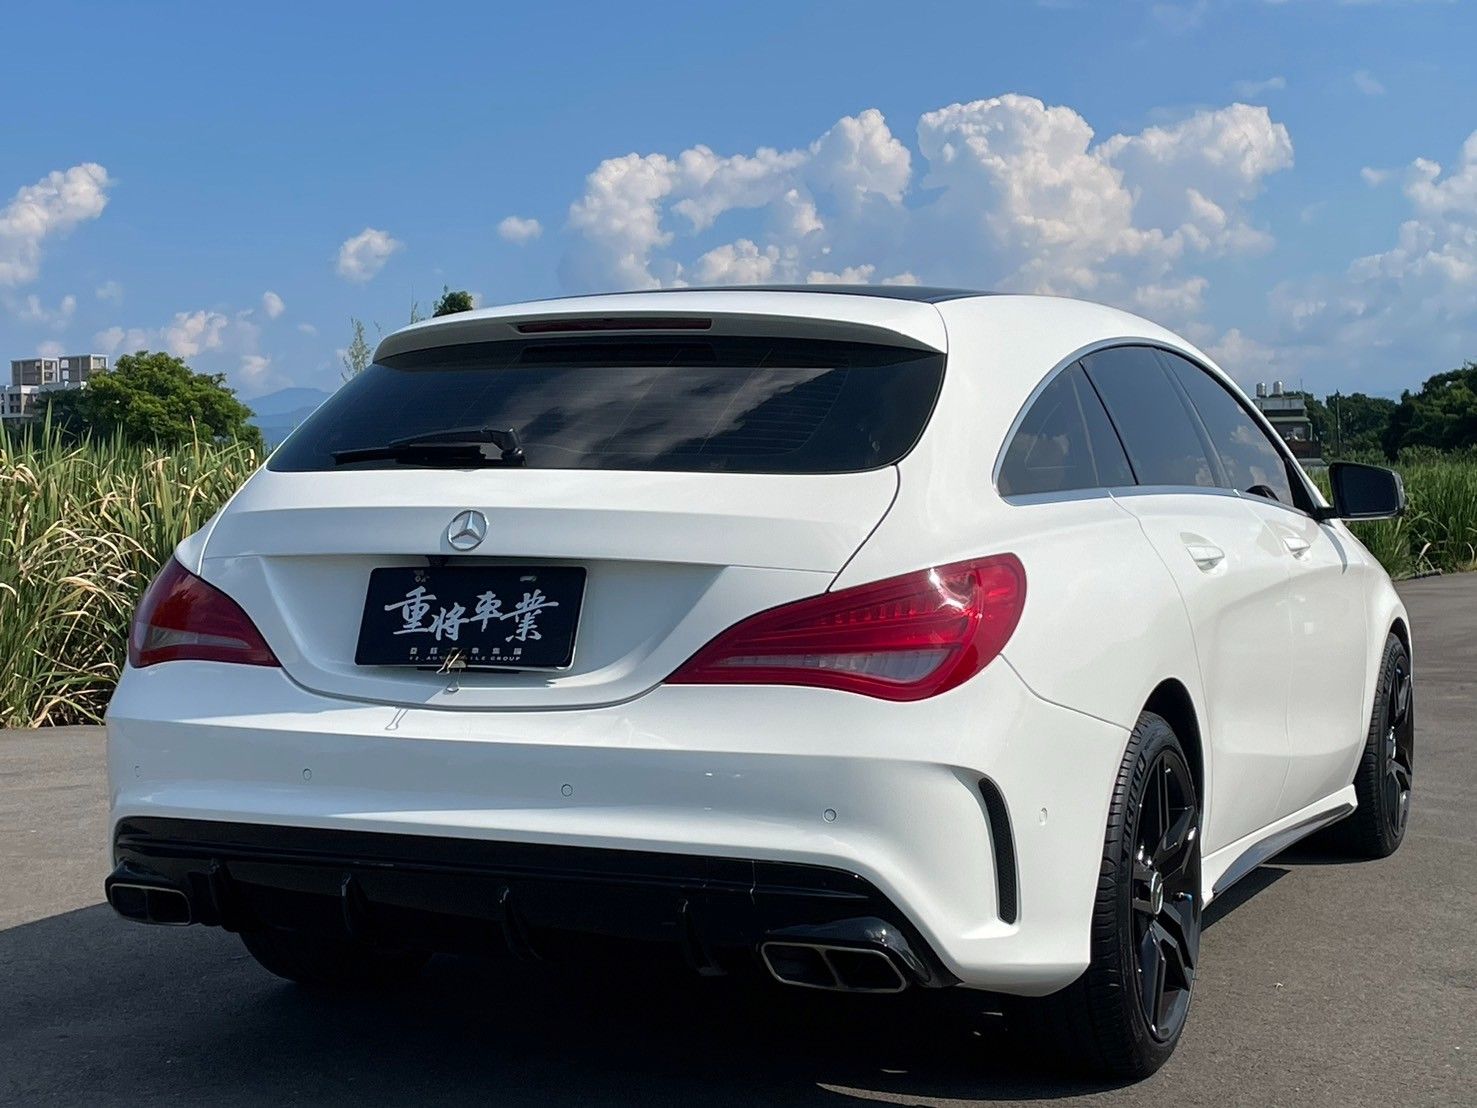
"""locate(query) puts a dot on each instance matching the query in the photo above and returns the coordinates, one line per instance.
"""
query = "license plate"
(487, 617)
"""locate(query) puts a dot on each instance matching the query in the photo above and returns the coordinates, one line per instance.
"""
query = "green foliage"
(1356, 424)
(452, 301)
(85, 528)
(154, 398)
(1439, 531)
(358, 353)
(1442, 415)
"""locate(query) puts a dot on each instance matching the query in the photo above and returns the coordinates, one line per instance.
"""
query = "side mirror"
(1363, 492)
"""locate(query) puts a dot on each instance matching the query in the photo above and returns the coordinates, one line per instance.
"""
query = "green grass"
(84, 527)
(1439, 531)
(82, 530)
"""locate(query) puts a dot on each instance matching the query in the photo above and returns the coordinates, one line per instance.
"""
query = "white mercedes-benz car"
(873, 639)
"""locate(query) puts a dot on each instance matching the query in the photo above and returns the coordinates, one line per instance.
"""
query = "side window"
(1249, 459)
(1064, 442)
(1152, 420)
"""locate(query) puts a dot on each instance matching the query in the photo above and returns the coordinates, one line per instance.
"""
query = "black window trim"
(1295, 476)
(1295, 473)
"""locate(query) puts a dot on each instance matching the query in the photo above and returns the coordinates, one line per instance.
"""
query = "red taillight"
(181, 617)
(905, 638)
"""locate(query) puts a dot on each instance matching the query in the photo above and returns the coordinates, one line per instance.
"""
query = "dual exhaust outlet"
(149, 903)
(851, 956)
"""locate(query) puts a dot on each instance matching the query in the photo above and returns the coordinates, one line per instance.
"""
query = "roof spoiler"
(835, 316)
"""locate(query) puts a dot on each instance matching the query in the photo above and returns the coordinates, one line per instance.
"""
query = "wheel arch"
(1401, 632)
(1172, 701)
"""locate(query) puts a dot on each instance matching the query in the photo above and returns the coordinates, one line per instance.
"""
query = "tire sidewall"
(1151, 737)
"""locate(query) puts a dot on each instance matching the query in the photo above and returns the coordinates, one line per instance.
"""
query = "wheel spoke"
(1163, 791)
(1171, 854)
(1402, 776)
(1181, 925)
(1142, 871)
(1151, 974)
(1400, 700)
(1178, 970)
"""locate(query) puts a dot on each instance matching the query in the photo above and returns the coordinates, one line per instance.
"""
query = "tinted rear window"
(709, 405)
(1064, 442)
(1152, 420)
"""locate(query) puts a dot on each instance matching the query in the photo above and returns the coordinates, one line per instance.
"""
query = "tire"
(325, 962)
(1124, 1015)
(1382, 783)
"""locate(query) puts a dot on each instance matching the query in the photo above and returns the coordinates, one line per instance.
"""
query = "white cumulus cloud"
(1407, 311)
(121, 340)
(272, 304)
(52, 206)
(191, 333)
(1366, 83)
(1010, 193)
(365, 254)
(519, 230)
(255, 375)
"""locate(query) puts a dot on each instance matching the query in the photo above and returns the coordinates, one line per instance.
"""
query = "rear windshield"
(719, 404)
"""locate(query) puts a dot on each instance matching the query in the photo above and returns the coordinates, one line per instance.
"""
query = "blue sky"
(1293, 185)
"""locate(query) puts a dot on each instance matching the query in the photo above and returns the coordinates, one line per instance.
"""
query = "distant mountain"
(278, 413)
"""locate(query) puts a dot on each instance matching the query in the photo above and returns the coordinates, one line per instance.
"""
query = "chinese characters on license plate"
(520, 617)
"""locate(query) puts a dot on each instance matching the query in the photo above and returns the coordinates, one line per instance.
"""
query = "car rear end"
(530, 632)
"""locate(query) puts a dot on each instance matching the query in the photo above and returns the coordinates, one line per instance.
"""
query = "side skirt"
(1231, 863)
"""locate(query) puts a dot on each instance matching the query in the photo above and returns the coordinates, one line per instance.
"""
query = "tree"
(154, 398)
(1356, 424)
(358, 353)
(1443, 415)
(453, 301)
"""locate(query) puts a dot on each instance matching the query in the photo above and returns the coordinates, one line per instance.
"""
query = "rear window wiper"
(482, 446)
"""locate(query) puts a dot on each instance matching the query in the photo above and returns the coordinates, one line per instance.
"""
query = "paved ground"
(1322, 983)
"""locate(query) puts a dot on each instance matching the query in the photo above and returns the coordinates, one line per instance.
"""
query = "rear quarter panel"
(1103, 622)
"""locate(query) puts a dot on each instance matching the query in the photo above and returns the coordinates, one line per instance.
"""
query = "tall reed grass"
(82, 530)
(1438, 532)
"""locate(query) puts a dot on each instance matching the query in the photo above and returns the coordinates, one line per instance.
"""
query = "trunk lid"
(671, 559)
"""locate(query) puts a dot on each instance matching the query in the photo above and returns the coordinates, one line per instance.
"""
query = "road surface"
(1322, 982)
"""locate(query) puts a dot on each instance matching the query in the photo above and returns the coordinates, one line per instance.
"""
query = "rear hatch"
(635, 493)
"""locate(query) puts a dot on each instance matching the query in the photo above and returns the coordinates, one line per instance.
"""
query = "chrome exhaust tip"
(145, 902)
(847, 969)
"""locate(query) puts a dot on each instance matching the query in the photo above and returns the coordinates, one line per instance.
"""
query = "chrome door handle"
(1296, 545)
(1205, 555)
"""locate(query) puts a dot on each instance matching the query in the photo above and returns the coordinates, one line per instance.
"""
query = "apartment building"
(31, 377)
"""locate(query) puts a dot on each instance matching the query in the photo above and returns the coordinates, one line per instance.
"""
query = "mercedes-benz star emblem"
(467, 530)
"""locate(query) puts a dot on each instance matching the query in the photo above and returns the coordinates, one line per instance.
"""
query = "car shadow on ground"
(96, 1009)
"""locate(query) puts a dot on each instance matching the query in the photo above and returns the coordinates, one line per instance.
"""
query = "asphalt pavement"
(1322, 982)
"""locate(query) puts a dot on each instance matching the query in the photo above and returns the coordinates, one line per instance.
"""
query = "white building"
(30, 377)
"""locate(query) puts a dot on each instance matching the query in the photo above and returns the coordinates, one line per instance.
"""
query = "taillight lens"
(905, 638)
(182, 617)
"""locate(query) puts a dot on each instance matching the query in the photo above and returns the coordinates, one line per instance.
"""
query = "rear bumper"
(881, 799)
(468, 894)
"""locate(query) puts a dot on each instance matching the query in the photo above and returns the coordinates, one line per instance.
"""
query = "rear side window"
(1248, 459)
(716, 404)
(1064, 442)
(1153, 422)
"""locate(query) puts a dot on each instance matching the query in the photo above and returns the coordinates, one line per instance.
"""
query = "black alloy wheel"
(1166, 895)
(1398, 742)
(1386, 773)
